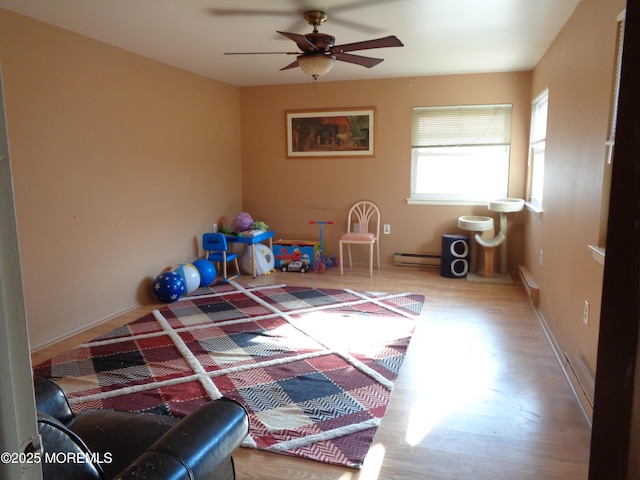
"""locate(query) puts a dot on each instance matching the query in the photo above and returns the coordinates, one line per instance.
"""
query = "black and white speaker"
(454, 256)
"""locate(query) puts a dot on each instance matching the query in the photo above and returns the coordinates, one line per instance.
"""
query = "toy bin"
(287, 251)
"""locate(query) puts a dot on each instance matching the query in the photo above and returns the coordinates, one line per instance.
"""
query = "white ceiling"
(440, 36)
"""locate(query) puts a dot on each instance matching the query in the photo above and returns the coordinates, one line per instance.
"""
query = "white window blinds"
(615, 88)
(454, 126)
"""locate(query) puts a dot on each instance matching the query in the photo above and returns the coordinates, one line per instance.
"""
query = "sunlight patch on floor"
(371, 466)
(457, 371)
(373, 463)
(355, 332)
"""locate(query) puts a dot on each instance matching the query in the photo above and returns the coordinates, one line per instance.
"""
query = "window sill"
(537, 211)
(598, 253)
(422, 201)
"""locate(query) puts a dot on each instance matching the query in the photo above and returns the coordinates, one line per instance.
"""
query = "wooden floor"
(480, 395)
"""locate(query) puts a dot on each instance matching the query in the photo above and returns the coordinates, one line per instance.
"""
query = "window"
(537, 145)
(460, 154)
(615, 87)
(611, 134)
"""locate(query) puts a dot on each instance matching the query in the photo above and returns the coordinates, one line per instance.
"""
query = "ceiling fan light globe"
(316, 65)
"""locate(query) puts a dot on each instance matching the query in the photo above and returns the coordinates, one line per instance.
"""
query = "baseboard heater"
(530, 284)
(580, 374)
(416, 259)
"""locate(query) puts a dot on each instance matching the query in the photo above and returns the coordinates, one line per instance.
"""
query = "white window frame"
(611, 138)
(537, 149)
(615, 88)
(480, 154)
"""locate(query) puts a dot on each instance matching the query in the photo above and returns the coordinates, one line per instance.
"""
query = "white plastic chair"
(367, 217)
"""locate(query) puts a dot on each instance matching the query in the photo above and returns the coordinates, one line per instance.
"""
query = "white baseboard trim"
(75, 331)
(560, 357)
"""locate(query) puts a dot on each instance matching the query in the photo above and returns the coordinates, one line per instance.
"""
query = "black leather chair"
(123, 445)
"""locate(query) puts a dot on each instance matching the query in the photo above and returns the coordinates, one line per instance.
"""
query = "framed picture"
(348, 132)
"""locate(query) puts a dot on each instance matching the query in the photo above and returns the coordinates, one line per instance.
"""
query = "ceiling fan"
(319, 52)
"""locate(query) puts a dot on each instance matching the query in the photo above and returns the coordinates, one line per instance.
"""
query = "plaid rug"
(314, 367)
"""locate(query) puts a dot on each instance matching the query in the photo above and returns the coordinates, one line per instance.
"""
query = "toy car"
(295, 267)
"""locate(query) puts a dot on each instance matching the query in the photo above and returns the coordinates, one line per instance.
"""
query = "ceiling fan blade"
(334, 12)
(390, 41)
(358, 59)
(262, 53)
(358, 4)
(228, 12)
(293, 64)
(302, 42)
(352, 25)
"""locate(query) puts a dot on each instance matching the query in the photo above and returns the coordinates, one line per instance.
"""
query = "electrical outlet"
(585, 315)
(540, 257)
(356, 227)
(386, 229)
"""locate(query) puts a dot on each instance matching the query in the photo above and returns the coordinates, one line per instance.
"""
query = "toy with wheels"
(189, 275)
(168, 287)
(295, 267)
(207, 271)
(320, 261)
(265, 260)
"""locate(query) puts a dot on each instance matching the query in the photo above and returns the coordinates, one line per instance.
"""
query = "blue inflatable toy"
(168, 287)
(190, 276)
(207, 271)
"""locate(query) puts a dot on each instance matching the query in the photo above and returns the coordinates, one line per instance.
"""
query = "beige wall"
(119, 164)
(578, 71)
(288, 193)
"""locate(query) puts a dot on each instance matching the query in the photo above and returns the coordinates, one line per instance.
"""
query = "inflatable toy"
(207, 271)
(168, 287)
(189, 275)
(264, 260)
(242, 222)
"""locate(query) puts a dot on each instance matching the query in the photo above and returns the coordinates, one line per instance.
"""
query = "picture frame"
(331, 133)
